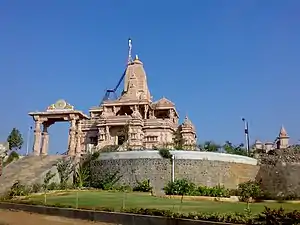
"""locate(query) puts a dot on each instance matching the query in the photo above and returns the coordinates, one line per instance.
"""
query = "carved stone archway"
(58, 112)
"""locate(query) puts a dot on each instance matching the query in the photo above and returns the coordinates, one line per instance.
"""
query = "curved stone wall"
(202, 168)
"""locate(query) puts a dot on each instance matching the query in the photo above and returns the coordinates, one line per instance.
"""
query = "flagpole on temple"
(246, 135)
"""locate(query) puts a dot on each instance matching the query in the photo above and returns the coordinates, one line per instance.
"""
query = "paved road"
(24, 218)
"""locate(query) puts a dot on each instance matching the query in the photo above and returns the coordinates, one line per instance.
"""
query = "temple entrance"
(61, 111)
(121, 139)
(59, 136)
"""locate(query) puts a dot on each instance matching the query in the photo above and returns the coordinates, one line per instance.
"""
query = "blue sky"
(218, 60)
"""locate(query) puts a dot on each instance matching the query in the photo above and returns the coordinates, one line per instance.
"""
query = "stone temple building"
(281, 142)
(132, 121)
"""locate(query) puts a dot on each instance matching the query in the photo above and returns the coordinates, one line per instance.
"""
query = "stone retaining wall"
(280, 180)
(202, 168)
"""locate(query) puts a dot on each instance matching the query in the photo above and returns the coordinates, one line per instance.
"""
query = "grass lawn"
(142, 200)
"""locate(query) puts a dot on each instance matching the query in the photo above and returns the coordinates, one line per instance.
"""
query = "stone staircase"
(28, 170)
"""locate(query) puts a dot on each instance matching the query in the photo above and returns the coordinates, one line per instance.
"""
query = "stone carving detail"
(60, 105)
(136, 114)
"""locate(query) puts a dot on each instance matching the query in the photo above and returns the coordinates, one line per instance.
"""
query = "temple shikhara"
(132, 121)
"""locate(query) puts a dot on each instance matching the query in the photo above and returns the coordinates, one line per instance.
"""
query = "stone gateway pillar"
(78, 139)
(37, 137)
(45, 139)
(72, 138)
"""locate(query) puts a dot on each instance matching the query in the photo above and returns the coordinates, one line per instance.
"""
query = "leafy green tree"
(15, 140)
(65, 167)
(209, 146)
(234, 149)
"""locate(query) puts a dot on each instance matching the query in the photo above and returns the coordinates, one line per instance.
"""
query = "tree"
(178, 141)
(15, 140)
(209, 146)
(234, 149)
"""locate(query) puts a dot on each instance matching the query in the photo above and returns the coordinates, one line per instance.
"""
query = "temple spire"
(283, 132)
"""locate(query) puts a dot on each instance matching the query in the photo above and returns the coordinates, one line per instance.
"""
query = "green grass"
(142, 200)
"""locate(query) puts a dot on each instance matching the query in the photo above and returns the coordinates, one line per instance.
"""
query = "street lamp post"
(246, 135)
(173, 167)
(28, 139)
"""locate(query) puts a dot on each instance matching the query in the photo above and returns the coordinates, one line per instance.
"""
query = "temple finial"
(129, 51)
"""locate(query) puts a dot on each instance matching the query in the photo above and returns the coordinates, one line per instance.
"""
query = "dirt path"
(24, 218)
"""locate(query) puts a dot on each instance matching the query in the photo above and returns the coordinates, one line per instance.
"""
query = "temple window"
(93, 140)
(124, 110)
(151, 138)
(162, 114)
(102, 137)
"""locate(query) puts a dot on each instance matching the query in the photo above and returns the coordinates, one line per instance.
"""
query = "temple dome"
(164, 102)
(187, 123)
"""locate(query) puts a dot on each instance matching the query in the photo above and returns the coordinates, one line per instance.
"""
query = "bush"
(123, 188)
(107, 182)
(217, 191)
(180, 187)
(18, 189)
(36, 188)
(12, 157)
(176, 187)
(279, 216)
(165, 153)
(249, 190)
(53, 186)
(143, 186)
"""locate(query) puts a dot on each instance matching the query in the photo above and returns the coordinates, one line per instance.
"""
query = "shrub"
(123, 188)
(217, 191)
(18, 189)
(36, 188)
(65, 168)
(108, 181)
(143, 186)
(179, 187)
(248, 190)
(279, 216)
(53, 186)
(12, 157)
(176, 187)
(165, 153)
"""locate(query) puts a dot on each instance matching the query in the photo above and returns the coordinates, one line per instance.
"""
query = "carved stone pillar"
(78, 139)
(45, 139)
(72, 138)
(37, 137)
(107, 134)
(146, 111)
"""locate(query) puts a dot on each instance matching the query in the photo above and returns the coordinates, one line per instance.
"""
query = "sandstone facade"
(131, 121)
